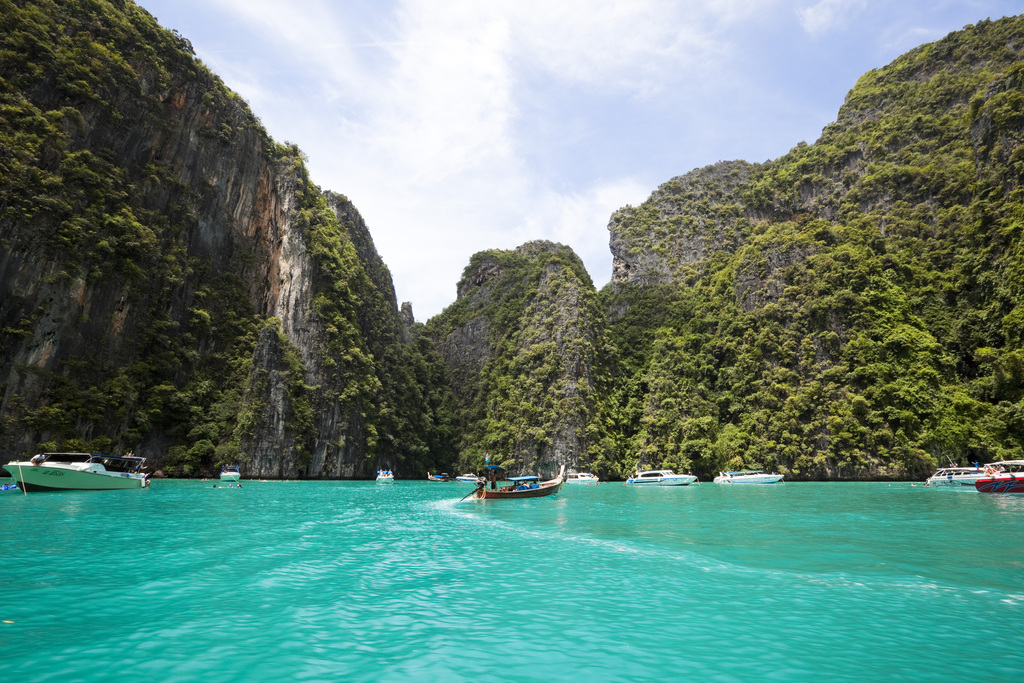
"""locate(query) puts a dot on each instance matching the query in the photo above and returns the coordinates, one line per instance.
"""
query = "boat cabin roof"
(744, 472)
(531, 477)
(89, 457)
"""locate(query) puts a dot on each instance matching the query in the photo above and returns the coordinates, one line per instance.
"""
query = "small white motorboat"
(748, 477)
(385, 476)
(581, 478)
(468, 478)
(661, 478)
(78, 472)
(956, 477)
(230, 473)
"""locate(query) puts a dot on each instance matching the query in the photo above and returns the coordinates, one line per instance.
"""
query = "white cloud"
(416, 113)
(827, 14)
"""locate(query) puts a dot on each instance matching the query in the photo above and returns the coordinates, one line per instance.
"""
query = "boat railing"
(128, 463)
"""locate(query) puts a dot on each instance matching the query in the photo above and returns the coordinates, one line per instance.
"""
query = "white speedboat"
(956, 477)
(78, 472)
(385, 476)
(468, 478)
(230, 473)
(748, 477)
(661, 478)
(581, 478)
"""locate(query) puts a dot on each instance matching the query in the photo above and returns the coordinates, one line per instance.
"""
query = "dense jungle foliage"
(856, 310)
(163, 358)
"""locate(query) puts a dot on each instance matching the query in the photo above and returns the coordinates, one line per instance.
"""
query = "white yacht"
(78, 471)
(581, 478)
(748, 477)
(661, 478)
(230, 473)
(956, 477)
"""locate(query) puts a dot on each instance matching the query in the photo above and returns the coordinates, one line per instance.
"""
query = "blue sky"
(456, 126)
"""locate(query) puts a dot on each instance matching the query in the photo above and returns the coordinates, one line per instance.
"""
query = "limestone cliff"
(522, 342)
(172, 281)
(851, 309)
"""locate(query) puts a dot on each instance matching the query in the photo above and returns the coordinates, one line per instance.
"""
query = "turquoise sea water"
(355, 581)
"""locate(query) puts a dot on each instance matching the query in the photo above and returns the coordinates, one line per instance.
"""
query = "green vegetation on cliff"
(142, 212)
(526, 334)
(856, 311)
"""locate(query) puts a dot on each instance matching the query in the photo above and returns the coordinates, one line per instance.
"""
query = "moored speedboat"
(955, 477)
(78, 472)
(517, 487)
(660, 478)
(230, 473)
(748, 477)
(468, 478)
(1001, 477)
(385, 476)
(581, 478)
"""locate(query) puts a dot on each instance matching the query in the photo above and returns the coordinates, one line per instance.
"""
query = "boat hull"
(545, 488)
(1004, 484)
(230, 476)
(952, 482)
(33, 478)
(664, 481)
(582, 480)
(765, 479)
(540, 491)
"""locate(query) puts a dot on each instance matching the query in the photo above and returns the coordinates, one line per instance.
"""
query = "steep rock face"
(850, 310)
(167, 267)
(680, 225)
(521, 344)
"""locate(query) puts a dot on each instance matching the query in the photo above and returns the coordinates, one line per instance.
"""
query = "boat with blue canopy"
(524, 486)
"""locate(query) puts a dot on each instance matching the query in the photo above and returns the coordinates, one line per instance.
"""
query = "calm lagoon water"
(358, 581)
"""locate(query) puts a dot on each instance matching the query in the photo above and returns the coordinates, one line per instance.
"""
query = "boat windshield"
(122, 463)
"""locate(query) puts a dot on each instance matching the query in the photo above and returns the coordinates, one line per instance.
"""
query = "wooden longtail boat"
(517, 487)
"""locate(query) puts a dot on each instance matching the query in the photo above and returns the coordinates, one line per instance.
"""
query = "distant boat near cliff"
(748, 477)
(660, 478)
(230, 473)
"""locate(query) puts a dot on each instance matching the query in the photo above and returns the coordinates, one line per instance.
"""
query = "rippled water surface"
(361, 581)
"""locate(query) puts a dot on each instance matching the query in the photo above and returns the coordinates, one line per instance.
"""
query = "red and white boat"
(1002, 477)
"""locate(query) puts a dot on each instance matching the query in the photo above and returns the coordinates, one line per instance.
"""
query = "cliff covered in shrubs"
(852, 309)
(173, 281)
